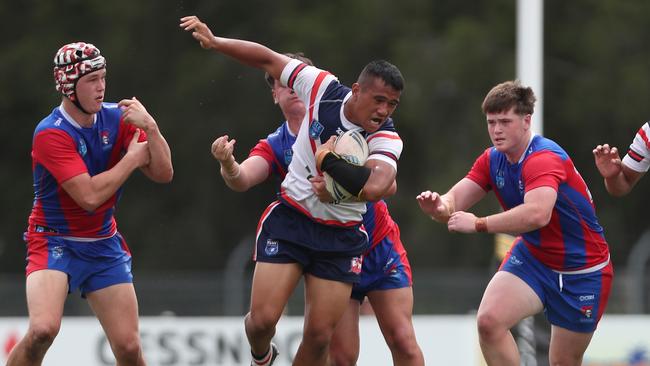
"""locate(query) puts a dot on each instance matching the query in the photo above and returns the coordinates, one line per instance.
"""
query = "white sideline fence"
(175, 341)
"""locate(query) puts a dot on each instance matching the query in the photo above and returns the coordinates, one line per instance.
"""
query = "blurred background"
(192, 239)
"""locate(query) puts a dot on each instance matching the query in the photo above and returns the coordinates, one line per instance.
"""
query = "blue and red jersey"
(573, 240)
(276, 149)
(62, 149)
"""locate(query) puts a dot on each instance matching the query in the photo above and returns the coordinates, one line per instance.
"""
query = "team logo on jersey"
(272, 247)
(106, 141)
(83, 149)
(356, 264)
(501, 181)
(315, 129)
(587, 311)
(288, 154)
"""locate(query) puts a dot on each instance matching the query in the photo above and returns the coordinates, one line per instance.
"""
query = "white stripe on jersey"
(638, 159)
(296, 184)
(385, 146)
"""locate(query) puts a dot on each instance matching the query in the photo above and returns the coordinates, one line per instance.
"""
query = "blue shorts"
(285, 235)
(574, 301)
(385, 267)
(90, 266)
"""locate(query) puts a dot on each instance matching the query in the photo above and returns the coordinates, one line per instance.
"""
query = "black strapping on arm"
(349, 176)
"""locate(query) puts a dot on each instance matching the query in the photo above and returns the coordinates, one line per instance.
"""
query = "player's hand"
(200, 31)
(135, 113)
(462, 222)
(607, 160)
(318, 186)
(222, 149)
(138, 150)
(432, 204)
(323, 149)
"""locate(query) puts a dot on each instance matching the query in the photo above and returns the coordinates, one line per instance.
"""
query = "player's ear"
(356, 89)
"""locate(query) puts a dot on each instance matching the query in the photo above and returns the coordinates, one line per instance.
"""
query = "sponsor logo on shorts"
(271, 247)
(315, 129)
(516, 261)
(355, 265)
(57, 252)
(587, 297)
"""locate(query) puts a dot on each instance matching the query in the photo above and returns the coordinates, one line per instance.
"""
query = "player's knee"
(401, 340)
(343, 355)
(260, 322)
(127, 350)
(43, 334)
(317, 336)
(489, 327)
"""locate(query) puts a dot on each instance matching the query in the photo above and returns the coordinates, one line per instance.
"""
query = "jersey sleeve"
(307, 81)
(385, 146)
(57, 152)
(127, 131)
(543, 169)
(480, 171)
(638, 155)
(264, 150)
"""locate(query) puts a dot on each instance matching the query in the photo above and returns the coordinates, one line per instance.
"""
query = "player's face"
(287, 99)
(509, 132)
(90, 90)
(374, 103)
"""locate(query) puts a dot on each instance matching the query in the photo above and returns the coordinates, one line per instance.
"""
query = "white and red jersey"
(638, 155)
(325, 97)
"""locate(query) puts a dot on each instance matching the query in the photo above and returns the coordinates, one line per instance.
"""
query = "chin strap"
(75, 101)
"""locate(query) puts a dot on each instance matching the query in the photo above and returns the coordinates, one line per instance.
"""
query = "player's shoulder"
(52, 122)
(541, 146)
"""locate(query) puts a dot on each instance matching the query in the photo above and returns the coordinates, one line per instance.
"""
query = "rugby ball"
(352, 147)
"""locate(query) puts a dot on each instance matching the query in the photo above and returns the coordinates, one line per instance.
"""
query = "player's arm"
(239, 177)
(159, 169)
(249, 53)
(463, 195)
(619, 178)
(531, 215)
(380, 181)
(91, 192)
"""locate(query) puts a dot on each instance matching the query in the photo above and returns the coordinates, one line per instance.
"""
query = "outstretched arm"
(463, 195)
(249, 53)
(238, 177)
(533, 214)
(619, 178)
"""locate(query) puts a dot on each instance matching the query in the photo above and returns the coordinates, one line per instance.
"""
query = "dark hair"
(507, 95)
(384, 70)
(298, 56)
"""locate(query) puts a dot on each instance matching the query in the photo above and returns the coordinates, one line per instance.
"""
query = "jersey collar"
(71, 120)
